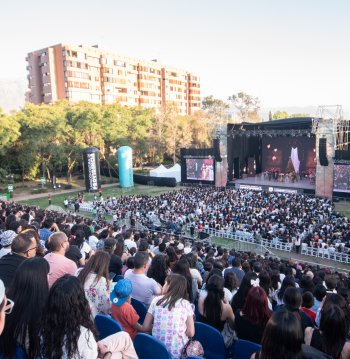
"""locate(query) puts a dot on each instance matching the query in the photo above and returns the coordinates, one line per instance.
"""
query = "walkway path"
(24, 197)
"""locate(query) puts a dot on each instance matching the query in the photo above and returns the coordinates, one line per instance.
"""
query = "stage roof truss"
(341, 126)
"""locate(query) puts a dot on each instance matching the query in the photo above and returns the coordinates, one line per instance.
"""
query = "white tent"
(175, 172)
(158, 172)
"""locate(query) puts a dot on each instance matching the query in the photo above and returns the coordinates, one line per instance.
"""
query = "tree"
(9, 130)
(217, 112)
(278, 115)
(246, 107)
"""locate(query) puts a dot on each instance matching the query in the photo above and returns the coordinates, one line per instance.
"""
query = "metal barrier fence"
(247, 237)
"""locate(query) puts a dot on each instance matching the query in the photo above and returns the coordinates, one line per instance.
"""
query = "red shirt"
(310, 313)
(127, 317)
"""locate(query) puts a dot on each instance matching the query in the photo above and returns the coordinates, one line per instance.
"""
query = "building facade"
(87, 73)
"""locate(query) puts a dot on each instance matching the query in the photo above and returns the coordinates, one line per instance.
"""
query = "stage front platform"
(259, 183)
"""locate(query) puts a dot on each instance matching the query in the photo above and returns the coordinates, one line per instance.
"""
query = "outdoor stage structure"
(294, 155)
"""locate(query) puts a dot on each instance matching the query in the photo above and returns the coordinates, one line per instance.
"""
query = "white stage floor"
(258, 180)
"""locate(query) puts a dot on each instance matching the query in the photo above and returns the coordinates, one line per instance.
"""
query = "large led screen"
(342, 178)
(200, 169)
(289, 154)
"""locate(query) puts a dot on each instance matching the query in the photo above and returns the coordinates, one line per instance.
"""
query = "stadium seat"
(106, 326)
(244, 349)
(148, 347)
(140, 308)
(20, 353)
(211, 340)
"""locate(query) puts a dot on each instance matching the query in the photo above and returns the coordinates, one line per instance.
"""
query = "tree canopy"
(49, 139)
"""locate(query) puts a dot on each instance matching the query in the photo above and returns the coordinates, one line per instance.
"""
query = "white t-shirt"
(130, 244)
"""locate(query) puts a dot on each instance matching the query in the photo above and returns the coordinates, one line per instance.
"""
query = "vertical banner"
(91, 169)
(126, 176)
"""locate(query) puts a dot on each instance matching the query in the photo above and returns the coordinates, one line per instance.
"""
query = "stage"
(261, 183)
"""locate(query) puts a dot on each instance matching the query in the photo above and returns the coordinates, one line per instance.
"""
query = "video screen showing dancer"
(200, 169)
(341, 178)
(289, 155)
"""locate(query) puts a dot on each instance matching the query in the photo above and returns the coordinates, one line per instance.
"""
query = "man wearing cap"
(6, 239)
(23, 246)
(122, 310)
(143, 288)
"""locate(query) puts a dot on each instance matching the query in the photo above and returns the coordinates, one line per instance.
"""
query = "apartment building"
(87, 73)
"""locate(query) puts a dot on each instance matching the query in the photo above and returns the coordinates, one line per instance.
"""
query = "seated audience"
(170, 316)
(68, 329)
(95, 280)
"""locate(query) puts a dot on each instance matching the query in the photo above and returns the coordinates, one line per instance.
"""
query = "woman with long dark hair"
(68, 330)
(282, 338)
(172, 315)
(182, 267)
(214, 309)
(95, 280)
(287, 282)
(251, 320)
(330, 338)
(239, 299)
(30, 291)
(159, 268)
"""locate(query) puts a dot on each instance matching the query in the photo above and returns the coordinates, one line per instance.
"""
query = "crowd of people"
(59, 271)
(289, 218)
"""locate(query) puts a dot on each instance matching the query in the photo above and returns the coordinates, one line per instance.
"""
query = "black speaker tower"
(322, 151)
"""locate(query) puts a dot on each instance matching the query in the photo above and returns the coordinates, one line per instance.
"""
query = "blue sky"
(286, 52)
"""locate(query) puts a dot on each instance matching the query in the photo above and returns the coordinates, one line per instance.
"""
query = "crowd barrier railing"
(275, 243)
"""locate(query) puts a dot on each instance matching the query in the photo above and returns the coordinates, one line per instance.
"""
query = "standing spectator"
(76, 206)
(143, 288)
(59, 264)
(49, 199)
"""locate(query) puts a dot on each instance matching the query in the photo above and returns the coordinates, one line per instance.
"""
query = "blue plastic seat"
(244, 349)
(140, 308)
(211, 340)
(20, 353)
(148, 347)
(106, 326)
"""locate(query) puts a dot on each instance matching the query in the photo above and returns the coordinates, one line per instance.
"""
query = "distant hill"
(12, 93)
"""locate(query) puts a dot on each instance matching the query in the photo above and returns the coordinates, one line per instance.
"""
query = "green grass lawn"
(58, 198)
(343, 207)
